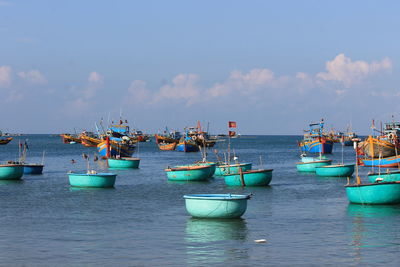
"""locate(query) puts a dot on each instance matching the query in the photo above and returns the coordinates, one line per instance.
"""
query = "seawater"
(305, 219)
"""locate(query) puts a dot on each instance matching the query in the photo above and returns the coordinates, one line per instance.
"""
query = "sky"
(271, 66)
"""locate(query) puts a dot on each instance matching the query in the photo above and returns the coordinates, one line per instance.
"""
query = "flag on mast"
(232, 124)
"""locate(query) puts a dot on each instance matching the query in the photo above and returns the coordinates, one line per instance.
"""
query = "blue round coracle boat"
(310, 166)
(189, 173)
(11, 171)
(123, 163)
(384, 193)
(339, 170)
(216, 206)
(92, 179)
(388, 176)
(33, 168)
(223, 169)
(249, 178)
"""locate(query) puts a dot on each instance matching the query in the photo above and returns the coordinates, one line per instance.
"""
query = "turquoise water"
(305, 219)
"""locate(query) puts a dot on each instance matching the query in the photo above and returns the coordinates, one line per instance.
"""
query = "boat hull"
(216, 206)
(98, 180)
(375, 148)
(392, 176)
(317, 147)
(90, 141)
(249, 178)
(340, 170)
(33, 168)
(231, 169)
(389, 162)
(374, 194)
(186, 147)
(5, 141)
(116, 149)
(167, 147)
(131, 163)
(310, 166)
(189, 173)
(11, 171)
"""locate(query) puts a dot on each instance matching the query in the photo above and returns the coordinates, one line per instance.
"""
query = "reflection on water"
(209, 240)
(373, 226)
(82, 189)
(9, 182)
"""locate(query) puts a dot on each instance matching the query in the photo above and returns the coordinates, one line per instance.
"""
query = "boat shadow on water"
(8, 182)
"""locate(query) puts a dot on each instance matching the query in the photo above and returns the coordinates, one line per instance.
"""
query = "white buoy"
(260, 240)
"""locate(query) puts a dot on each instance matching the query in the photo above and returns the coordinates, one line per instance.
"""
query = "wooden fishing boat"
(389, 162)
(216, 206)
(68, 138)
(5, 141)
(315, 140)
(388, 176)
(337, 170)
(249, 178)
(89, 141)
(376, 147)
(166, 146)
(33, 168)
(188, 173)
(187, 146)
(11, 171)
(92, 179)
(123, 162)
(382, 193)
(310, 166)
(122, 149)
(224, 168)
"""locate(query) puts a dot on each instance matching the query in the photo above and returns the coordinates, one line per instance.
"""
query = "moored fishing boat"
(5, 141)
(69, 138)
(187, 145)
(249, 178)
(388, 176)
(337, 170)
(382, 193)
(11, 171)
(166, 146)
(225, 168)
(216, 206)
(92, 179)
(123, 162)
(113, 148)
(315, 140)
(33, 168)
(389, 162)
(189, 173)
(311, 165)
(89, 139)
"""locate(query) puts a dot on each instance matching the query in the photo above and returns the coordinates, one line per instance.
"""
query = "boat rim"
(317, 161)
(216, 196)
(233, 165)
(93, 174)
(11, 165)
(188, 168)
(370, 184)
(383, 173)
(126, 158)
(249, 171)
(336, 166)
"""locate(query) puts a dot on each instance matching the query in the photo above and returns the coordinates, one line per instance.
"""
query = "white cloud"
(343, 69)
(243, 83)
(33, 76)
(183, 87)
(5, 76)
(137, 92)
(95, 78)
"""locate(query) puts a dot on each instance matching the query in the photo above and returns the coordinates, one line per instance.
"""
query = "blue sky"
(272, 66)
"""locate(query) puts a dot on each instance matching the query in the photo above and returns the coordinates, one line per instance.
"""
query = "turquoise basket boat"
(123, 163)
(232, 168)
(339, 170)
(249, 178)
(389, 176)
(33, 168)
(11, 171)
(189, 173)
(216, 206)
(98, 180)
(213, 166)
(310, 166)
(384, 193)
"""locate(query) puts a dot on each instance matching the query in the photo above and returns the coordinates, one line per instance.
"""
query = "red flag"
(232, 124)
(232, 133)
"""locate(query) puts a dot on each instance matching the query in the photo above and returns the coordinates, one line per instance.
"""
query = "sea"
(306, 220)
